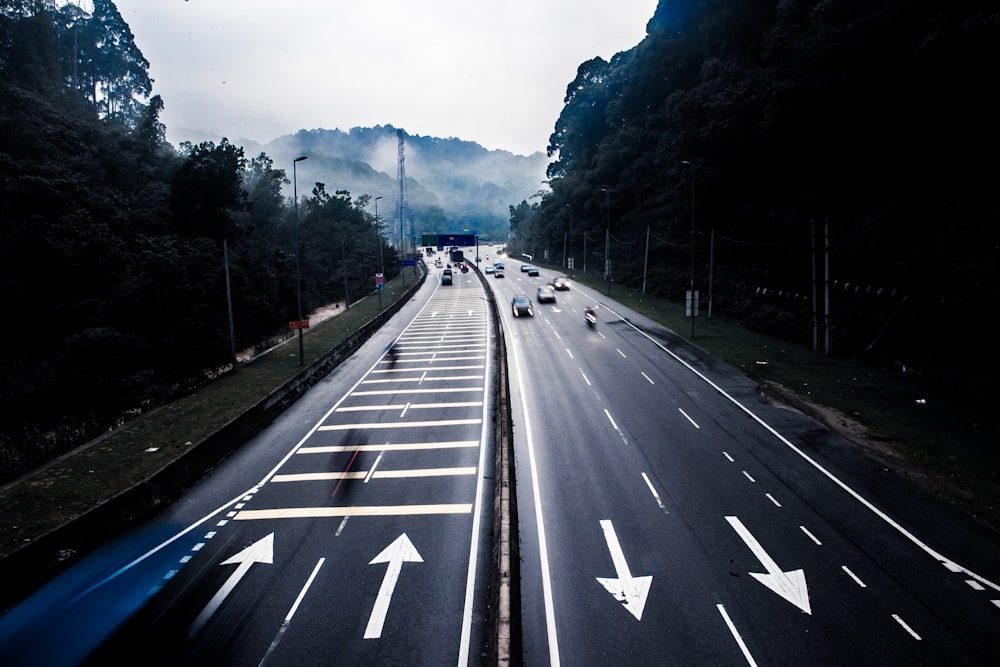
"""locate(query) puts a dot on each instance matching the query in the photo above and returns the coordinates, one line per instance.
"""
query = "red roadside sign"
(298, 324)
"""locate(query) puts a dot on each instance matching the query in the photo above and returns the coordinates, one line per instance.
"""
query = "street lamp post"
(694, 302)
(381, 261)
(607, 239)
(568, 238)
(298, 280)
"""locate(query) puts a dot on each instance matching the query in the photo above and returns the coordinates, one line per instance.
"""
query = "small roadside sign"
(298, 324)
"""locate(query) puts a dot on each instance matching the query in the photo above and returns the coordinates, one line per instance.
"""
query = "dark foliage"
(876, 118)
(113, 244)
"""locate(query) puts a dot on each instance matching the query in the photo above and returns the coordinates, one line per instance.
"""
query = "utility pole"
(401, 177)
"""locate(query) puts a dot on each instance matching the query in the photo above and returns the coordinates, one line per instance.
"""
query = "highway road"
(354, 530)
(670, 515)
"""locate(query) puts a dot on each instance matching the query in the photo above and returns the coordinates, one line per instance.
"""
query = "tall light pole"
(569, 237)
(607, 239)
(694, 302)
(381, 261)
(298, 280)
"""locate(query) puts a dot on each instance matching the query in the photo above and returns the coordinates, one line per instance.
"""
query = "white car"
(489, 269)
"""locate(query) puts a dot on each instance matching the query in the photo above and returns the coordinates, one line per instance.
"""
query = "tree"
(207, 191)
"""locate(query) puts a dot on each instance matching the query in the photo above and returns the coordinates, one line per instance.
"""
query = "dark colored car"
(532, 272)
(525, 268)
(498, 273)
(521, 305)
(446, 278)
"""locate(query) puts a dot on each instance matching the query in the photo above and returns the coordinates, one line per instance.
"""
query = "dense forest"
(730, 142)
(114, 245)
(738, 136)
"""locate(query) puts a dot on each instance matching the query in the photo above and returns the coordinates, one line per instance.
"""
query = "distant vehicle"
(498, 273)
(560, 284)
(525, 268)
(521, 305)
(545, 294)
(532, 272)
(489, 269)
(446, 277)
(498, 266)
(465, 268)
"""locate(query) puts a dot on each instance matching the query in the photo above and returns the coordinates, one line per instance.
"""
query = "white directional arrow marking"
(400, 551)
(261, 551)
(789, 585)
(630, 591)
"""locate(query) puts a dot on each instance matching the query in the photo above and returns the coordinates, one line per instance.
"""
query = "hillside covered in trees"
(115, 245)
(753, 129)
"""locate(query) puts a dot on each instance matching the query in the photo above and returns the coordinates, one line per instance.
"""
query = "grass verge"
(83, 479)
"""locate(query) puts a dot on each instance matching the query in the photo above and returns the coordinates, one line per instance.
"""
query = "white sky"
(490, 71)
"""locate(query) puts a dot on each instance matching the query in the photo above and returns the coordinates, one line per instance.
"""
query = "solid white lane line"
(398, 447)
(853, 576)
(655, 494)
(373, 425)
(736, 635)
(543, 549)
(649, 379)
(319, 476)
(810, 535)
(357, 510)
(473, 367)
(380, 474)
(441, 390)
(686, 416)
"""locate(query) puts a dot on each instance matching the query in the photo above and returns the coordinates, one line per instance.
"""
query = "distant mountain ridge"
(452, 184)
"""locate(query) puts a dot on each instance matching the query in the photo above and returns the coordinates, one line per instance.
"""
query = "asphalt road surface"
(354, 530)
(669, 515)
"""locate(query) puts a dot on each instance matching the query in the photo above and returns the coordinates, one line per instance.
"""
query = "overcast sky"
(490, 71)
